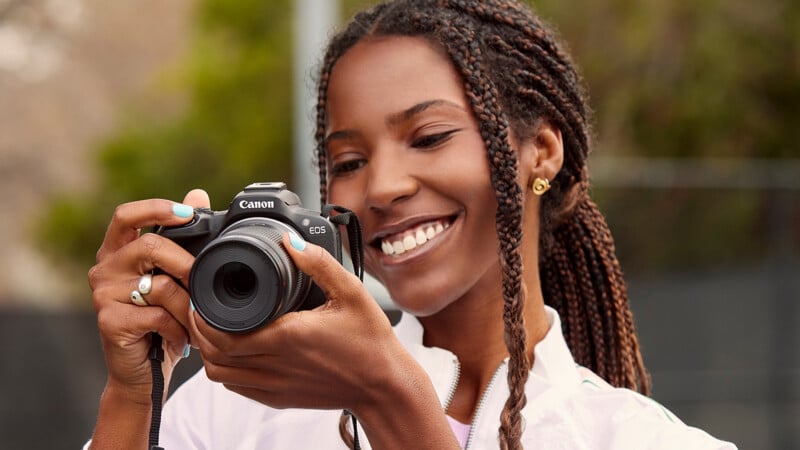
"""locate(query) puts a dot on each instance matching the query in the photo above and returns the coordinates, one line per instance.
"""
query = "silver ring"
(145, 284)
(137, 299)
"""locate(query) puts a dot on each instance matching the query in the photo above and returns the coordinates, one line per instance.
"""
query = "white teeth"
(412, 239)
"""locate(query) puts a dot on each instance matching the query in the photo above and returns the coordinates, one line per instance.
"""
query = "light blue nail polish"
(181, 210)
(191, 305)
(187, 351)
(297, 242)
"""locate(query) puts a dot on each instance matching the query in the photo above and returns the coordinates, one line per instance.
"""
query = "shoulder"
(600, 416)
(570, 403)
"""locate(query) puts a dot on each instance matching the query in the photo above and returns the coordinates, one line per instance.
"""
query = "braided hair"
(517, 76)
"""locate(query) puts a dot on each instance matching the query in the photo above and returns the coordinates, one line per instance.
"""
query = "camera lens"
(235, 282)
(244, 278)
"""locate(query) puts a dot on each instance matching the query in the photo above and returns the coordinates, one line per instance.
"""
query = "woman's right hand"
(124, 257)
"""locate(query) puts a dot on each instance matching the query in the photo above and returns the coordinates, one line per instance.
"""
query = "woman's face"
(405, 154)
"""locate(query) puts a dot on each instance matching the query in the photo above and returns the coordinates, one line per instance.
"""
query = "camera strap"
(354, 234)
(356, 239)
(156, 357)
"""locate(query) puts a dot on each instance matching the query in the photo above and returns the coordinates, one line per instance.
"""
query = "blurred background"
(696, 165)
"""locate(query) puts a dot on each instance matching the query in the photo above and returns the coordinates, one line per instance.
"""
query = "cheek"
(345, 194)
(468, 171)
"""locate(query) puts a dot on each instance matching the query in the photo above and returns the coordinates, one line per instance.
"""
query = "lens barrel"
(244, 278)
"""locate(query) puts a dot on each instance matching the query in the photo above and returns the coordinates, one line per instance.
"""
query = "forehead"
(380, 76)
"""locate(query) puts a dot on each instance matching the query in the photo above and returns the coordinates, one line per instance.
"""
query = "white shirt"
(568, 407)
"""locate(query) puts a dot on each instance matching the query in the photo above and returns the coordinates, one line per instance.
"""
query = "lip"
(407, 224)
(418, 252)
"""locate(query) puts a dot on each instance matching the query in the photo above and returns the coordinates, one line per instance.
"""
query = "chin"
(420, 305)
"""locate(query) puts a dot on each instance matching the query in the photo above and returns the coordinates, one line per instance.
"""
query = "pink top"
(461, 431)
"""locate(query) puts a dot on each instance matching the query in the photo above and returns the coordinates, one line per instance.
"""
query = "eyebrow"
(341, 135)
(397, 118)
(409, 113)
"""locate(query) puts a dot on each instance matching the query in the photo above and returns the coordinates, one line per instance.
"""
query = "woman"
(458, 133)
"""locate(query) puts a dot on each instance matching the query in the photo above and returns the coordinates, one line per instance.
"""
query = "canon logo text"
(244, 204)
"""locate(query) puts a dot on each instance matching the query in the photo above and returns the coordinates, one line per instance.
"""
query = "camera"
(242, 277)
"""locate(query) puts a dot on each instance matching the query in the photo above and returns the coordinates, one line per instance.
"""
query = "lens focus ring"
(245, 278)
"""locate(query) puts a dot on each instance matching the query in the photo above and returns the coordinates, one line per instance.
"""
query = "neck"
(473, 329)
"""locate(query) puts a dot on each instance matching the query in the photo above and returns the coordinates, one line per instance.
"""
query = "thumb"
(197, 198)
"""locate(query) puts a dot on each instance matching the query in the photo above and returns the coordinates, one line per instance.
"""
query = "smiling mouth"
(417, 236)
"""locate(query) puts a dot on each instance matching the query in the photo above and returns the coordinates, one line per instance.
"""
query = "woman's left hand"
(337, 356)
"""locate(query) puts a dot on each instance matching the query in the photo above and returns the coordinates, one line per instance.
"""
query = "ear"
(541, 155)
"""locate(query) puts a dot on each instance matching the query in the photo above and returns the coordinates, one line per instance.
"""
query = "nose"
(391, 179)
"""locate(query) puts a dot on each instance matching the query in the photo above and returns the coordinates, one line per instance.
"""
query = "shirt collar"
(552, 359)
(552, 362)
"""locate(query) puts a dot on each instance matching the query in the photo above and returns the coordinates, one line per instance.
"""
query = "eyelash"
(345, 167)
(432, 140)
(424, 142)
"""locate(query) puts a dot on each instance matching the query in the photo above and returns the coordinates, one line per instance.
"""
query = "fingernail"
(191, 305)
(297, 242)
(181, 210)
(187, 351)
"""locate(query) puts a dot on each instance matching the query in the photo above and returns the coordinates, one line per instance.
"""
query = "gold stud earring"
(540, 185)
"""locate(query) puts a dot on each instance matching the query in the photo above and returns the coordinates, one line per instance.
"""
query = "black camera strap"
(156, 355)
(354, 234)
(356, 239)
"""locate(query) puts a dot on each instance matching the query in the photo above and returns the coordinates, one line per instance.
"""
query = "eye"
(432, 140)
(346, 167)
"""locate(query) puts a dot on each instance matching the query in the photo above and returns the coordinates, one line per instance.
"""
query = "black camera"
(242, 277)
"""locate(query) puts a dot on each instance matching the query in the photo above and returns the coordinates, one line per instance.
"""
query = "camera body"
(242, 277)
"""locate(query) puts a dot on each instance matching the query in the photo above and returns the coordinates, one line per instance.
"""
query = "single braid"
(580, 252)
(517, 77)
(580, 274)
(322, 106)
(482, 95)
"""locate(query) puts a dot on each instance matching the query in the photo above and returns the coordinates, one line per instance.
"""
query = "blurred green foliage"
(688, 78)
(235, 128)
(677, 78)
(696, 79)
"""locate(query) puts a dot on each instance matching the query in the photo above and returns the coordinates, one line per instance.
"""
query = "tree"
(235, 129)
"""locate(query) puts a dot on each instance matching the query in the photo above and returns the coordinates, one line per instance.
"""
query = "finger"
(270, 383)
(261, 396)
(141, 256)
(198, 336)
(280, 395)
(168, 294)
(287, 332)
(130, 218)
(272, 396)
(197, 198)
(132, 324)
(161, 321)
(224, 346)
(335, 281)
